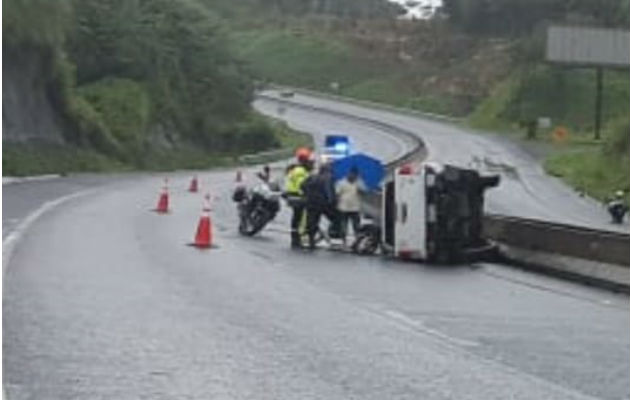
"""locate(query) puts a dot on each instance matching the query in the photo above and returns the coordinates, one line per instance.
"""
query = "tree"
(177, 48)
(514, 17)
(35, 22)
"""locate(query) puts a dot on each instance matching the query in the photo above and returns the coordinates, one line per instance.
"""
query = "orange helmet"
(303, 154)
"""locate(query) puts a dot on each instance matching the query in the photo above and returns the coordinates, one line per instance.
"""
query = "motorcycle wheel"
(243, 220)
(242, 226)
(258, 220)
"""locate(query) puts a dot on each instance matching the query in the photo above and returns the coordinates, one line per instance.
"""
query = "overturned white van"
(432, 212)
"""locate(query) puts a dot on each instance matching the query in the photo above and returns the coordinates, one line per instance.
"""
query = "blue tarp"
(371, 170)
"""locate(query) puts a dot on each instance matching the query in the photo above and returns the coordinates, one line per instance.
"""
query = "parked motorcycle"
(256, 207)
(617, 211)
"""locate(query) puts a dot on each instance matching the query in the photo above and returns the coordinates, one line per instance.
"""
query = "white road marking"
(11, 240)
(419, 326)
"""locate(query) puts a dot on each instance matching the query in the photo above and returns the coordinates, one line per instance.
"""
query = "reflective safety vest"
(295, 178)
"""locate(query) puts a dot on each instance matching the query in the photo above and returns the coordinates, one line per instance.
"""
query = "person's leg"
(296, 219)
(334, 217)
(313, 216)
(355, 217)
(303, 226)
(343, 225)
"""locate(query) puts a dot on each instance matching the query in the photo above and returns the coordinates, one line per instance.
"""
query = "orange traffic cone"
(203, 237)
(162, 205)
(239, 176)
(194, 185)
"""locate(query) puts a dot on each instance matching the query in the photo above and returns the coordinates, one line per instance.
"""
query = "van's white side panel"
(410, 230)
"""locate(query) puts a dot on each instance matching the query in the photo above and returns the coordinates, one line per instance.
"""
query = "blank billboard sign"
(588, 46)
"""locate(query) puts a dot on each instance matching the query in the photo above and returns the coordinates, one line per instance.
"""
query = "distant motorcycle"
(617, 210)
(256, 207)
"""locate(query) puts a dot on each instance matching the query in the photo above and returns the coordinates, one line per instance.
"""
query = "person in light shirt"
(349, 202)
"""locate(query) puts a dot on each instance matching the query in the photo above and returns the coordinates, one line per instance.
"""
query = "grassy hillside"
(23, 159)
(295, 58)
(497, 83)
(598, 168)
(400, 63)
(567, 96)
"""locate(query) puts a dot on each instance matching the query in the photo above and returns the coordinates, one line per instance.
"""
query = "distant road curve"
(525, 191)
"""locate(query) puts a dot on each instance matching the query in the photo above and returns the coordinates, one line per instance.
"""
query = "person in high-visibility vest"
(296, 176)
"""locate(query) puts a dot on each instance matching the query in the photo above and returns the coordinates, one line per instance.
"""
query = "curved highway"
(525, 189)
(104, 299)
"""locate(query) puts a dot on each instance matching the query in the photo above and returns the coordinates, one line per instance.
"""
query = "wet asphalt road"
(103, 300)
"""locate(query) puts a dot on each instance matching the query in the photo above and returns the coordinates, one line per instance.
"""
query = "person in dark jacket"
(319, 194)
(265, 174)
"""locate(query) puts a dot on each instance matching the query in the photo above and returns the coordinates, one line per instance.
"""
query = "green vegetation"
(315, 57)
(289, 138)
(397, 91)
(517, 17)
(484, 63)
(281, 9)
(142, 83)
(36, 159)
(590, 170)
(123, 106)
(288, 57)
(565, 96)
(35, 22)
(595, 169)
(31, 159)
(23, 159)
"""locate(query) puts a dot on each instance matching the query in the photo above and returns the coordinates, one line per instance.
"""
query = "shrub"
(123, 107)
(618, 143)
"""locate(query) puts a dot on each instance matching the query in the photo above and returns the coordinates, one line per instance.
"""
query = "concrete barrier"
(605, 275)
(543, 236)
(369, 104)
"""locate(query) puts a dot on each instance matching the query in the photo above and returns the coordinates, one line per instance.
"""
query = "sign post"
(598, 102)
(593, 48)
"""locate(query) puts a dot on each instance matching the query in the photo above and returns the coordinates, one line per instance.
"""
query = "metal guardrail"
(590, 244)
(417, 150)
(266, 156)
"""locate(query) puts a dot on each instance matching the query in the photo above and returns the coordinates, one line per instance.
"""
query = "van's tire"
(257, 221)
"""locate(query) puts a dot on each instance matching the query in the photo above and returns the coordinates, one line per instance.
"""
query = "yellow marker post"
(560, 134)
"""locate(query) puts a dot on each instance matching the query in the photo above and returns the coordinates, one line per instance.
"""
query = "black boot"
(296, 241)
(311, 242)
